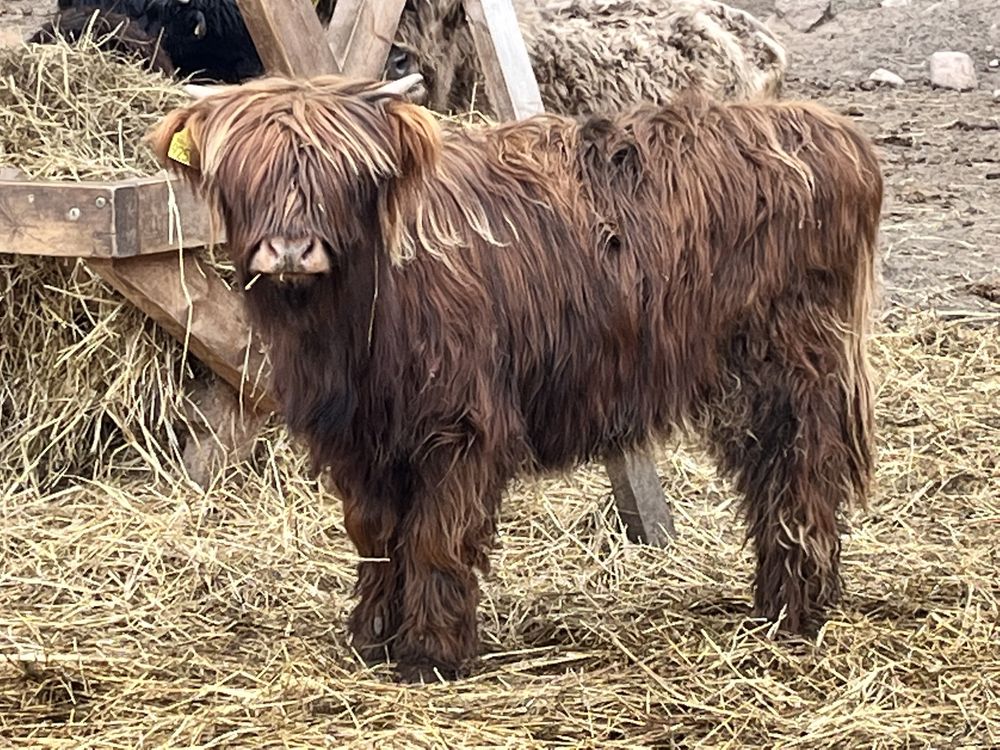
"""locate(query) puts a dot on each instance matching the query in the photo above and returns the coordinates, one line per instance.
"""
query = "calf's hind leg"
(796, 438)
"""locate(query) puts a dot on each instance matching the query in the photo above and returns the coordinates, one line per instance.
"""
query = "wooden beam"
(100, 219)
(641, 504)
(361, 33)
(163, 211)
(76, 219)
(192, 302)
(510, 81)
(288, 36)
(513, 91)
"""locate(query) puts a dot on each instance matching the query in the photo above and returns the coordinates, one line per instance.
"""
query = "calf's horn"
(197, 91)
(399, 87)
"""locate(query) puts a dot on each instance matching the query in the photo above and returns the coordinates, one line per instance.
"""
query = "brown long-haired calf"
(446, 309)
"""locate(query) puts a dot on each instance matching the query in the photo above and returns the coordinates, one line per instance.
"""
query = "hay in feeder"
(89, 386)
(74, 112)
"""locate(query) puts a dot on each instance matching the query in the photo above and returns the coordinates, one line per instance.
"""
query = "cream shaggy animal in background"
(592, 56)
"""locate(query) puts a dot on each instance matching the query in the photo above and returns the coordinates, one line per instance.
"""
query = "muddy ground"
(941, 149)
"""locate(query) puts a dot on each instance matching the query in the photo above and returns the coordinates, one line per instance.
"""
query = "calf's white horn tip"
(197, 91)
(400, 86)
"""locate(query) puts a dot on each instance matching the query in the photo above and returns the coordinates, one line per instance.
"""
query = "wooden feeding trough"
(138, 234)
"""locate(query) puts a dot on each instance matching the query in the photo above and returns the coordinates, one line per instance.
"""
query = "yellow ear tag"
(180, 147)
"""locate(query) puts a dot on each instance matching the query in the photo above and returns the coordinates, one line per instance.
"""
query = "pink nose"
(277, 255)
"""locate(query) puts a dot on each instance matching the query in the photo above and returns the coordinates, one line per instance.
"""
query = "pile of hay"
(73, 112)
(89, 386)
(140, 613)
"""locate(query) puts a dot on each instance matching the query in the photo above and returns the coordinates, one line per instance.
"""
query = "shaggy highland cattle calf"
(446, 309)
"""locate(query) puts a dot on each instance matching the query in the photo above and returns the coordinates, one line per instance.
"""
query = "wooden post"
(510, 80)
(513, 91)
(639, 497)
(361, 33)
(288, 36)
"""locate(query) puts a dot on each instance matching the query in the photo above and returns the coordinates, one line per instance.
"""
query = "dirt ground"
(941, 149)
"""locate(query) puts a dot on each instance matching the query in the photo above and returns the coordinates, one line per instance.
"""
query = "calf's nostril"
(269, 250)
(312, 251)
(282, 255)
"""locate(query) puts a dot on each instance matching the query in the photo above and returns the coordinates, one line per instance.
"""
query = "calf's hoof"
(795, 624)
(427, 672)
(372, 639)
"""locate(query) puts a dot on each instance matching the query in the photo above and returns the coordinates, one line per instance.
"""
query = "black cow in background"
(209, 39)
(206, 40)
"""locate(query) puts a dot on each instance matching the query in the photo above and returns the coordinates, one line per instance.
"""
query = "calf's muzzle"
(280, 255)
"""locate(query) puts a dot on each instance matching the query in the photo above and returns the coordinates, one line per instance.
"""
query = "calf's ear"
(174, 141)
(418, 136)
(417, 141)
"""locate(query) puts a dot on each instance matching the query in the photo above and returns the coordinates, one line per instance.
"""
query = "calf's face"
(302, 173)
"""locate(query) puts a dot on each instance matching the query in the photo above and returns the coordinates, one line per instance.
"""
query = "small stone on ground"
(952, 70)
(803, 15)
(887, 77)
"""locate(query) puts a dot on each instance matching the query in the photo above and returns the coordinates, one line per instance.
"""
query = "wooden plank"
(166, 212)
(361, 33)
(288, 36)
(68, 219)
(191, 301)
(513, 91)
(639, 496)
(100, 219)
(510, 81)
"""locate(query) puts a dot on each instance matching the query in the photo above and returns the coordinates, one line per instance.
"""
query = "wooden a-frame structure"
(126, 229)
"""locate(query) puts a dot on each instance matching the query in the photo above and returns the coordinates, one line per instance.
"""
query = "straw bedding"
(137, 611)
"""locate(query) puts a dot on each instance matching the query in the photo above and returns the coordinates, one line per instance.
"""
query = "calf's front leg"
(373, 525)
(445, 537)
